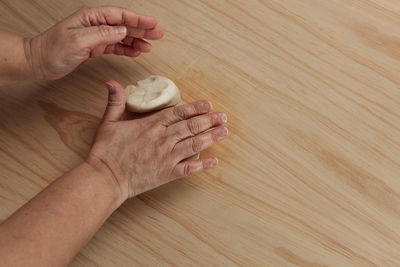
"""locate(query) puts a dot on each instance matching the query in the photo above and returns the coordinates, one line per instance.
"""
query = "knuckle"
(202, 106)
(187, 169)
(193, 126)
(194, 108)
(107, 10)
(196, 145)
(105, 31)
(90, 12)
(212, 119)
(179, 112)
(214, 137)
(197, 106)
(115, 102)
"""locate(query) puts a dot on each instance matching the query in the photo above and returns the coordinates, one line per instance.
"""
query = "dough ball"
(151, 94)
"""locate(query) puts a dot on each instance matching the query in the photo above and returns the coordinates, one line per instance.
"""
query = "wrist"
(103, 170)
(16, 54)
(33, 59)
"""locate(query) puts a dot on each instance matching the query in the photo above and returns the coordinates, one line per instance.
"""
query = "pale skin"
(128, 157)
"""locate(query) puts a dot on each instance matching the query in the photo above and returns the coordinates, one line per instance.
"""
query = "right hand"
(142, 154)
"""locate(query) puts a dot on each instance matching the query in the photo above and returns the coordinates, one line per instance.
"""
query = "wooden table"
(310, 175)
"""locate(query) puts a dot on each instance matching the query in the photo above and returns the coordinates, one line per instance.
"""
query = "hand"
(89, 32)
(145, 153)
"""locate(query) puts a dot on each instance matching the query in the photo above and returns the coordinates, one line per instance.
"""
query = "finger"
(112, 15)
(172, 115)
(198, 143)
(191, 127)
(141, 45)
(116, 101)
(152, 34)
(137, 44)
(98, 51)
(122, 50)
(91, 37)
(190, 167)
(128, 41)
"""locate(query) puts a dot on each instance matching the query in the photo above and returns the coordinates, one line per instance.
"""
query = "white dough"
(153, 93)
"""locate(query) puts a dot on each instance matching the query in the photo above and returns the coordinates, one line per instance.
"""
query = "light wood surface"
(310, 175)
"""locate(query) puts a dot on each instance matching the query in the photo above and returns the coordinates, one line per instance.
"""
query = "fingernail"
(207, 105)
(111, 88)
(222, 133)
(212, 162)
(147, 48)
(224, 117)
(120, 30)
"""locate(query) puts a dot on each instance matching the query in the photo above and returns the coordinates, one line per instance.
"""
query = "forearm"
(14, 58)
(51, 228)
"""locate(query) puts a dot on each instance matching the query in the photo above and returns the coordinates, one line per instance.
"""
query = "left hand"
(89, 32)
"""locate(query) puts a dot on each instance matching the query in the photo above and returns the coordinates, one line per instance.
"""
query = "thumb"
(116, 101)
(103, 35)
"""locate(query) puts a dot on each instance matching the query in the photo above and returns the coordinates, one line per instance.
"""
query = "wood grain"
(310, 173)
